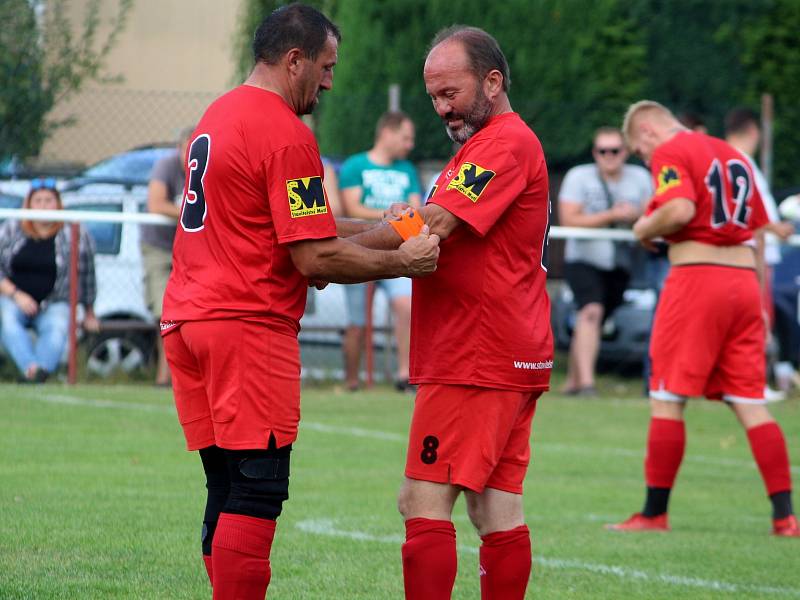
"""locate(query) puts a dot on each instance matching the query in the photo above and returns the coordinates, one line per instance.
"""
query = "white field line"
(396, 437)
(327, 527)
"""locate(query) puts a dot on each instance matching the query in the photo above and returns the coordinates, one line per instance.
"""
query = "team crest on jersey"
(306, 197)
(471, 180)
(668, 178)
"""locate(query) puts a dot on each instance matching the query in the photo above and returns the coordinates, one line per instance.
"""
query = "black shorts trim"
(592, 285)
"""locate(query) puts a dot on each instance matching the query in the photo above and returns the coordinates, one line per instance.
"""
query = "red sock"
(209, 570)
(240, 557)
(429, 559)
(769, 450)
(505, 564)
(666, 442)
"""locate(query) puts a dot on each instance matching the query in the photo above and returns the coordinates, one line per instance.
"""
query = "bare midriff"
(691, 252)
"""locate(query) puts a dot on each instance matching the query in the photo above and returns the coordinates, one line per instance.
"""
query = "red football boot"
(786, 527)
(638, 522)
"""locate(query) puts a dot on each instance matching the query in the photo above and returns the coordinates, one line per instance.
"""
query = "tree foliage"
(771, 58)
(575, 65)
(43, 60)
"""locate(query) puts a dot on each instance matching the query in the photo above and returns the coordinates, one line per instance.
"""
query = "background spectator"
(743, 132)
(606, 193)
(693, 121)
(34, 283)
(331, 184)
(164, 196)
(371, 182)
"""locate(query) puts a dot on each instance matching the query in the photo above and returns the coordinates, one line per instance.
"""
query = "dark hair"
(691, 120)
(391, 120)
(482, 49)
(292, 26)
(738, 120)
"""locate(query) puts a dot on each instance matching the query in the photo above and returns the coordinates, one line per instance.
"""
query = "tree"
(43, 60)
(574, 67)
(773, 64)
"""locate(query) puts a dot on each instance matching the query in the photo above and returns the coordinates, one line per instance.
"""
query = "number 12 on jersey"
(741, 188)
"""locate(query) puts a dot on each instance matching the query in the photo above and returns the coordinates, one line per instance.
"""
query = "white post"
(767, 118)
(394, 97)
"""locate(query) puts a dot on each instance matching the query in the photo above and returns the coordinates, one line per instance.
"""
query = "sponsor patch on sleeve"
(471, 180)
(668, 178)
(306, 196)
(431, 193)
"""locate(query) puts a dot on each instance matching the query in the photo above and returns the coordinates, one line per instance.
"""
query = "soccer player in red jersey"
(481, 343)
(709, 333)
(255, 227)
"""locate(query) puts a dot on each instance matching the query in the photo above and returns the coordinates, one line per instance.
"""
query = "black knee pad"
(218, 484)
(259, 482)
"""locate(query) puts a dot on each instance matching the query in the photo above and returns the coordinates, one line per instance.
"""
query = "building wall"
(175, 57)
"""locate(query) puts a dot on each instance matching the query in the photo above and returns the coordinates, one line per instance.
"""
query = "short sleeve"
(297, 201)
(670, 178)
(413, 186)
(572, 187)
(164, 169)
(350, 173)
(485, 182)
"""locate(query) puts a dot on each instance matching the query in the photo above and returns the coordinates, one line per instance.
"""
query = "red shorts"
(471, 436)
(236, 382)
(709, 336)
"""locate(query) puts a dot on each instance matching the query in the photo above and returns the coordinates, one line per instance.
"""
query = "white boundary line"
(327, 527)
(396, 437)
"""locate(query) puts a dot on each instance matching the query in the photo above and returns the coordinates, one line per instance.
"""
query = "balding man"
(481, 345)
(708, 336)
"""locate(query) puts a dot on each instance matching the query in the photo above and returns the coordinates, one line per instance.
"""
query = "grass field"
(98, 499)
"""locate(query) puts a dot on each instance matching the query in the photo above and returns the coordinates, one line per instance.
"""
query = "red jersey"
(253, 185)
(718, 179)
(483, 317)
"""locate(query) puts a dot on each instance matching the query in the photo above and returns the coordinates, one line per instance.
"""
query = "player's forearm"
(346, 227)
(359, 211)
(666, 220)
(380, 236)
(341, 261)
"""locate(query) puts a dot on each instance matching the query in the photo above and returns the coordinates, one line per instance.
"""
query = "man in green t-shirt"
(371, 182)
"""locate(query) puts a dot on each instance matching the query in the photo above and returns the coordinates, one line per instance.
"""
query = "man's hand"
(640, 232)
(783, 229)
(394, 211)
(624, 212)
(317, 283)
(25, 302)
(421, 252)
(90, 322)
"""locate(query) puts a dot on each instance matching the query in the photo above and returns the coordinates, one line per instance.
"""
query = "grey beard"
(462, 135)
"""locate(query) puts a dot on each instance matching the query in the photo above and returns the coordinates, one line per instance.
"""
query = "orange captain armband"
(408, 224)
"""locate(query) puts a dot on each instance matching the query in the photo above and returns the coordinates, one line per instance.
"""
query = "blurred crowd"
(608, 192)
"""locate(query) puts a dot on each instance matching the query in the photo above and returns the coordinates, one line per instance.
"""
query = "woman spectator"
(34, 285)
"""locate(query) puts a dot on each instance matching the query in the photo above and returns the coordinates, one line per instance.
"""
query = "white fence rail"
(76, 216)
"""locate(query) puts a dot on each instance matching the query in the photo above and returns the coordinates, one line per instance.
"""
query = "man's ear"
(293, 59)
(493, 84)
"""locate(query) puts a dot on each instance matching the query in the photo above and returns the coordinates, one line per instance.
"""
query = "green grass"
(98, 499)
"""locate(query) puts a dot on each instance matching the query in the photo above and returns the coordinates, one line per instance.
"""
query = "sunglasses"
(611, 151)
(47, 183)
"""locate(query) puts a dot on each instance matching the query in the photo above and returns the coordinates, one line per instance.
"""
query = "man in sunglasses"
(605, 193)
